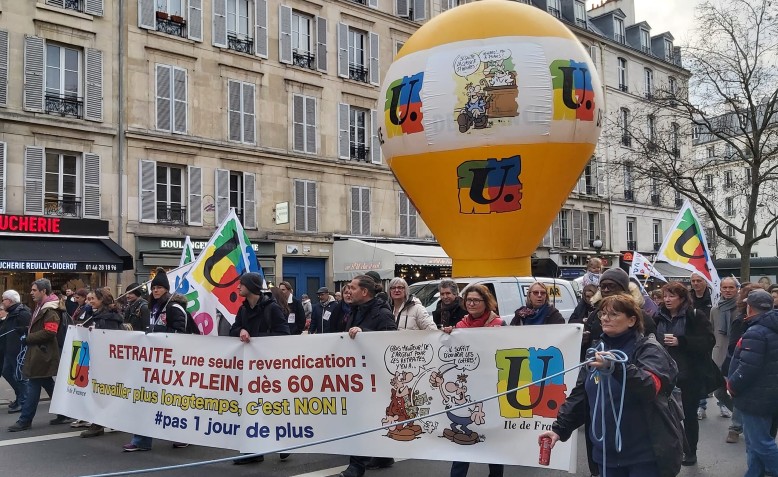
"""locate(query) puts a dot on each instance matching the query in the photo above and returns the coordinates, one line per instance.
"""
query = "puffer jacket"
(413, 316)
(42, 358)
(105, 319)
(753, 372)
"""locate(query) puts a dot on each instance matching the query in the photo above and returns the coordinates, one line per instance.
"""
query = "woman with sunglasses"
(538, 310)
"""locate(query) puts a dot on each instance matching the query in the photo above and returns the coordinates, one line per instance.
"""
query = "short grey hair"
(43, 284)
(397, 281)
(732, 279)
(12, 295)
(450, 284)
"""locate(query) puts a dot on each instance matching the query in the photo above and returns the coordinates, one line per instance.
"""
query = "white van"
(510, 292)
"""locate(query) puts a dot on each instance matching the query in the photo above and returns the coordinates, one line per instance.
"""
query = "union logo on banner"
(79, 364)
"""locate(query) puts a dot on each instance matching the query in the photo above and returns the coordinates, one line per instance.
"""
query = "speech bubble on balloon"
(461, 356)
(408, 357)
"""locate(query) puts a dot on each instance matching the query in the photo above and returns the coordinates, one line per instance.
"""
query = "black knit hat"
(252, 281)
(374, 275)
(136, 289)
(617, 276)
(160, 279)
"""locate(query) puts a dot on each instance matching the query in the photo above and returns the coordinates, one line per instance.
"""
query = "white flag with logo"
(642, 268)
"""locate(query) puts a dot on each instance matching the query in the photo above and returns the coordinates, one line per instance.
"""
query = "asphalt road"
(57, 451)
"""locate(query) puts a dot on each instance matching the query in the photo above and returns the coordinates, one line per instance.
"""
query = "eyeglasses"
(539, 293)
(396, 288)
(607, 286)
(473, 301)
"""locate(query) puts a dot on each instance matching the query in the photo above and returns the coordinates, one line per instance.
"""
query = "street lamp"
(597, 244)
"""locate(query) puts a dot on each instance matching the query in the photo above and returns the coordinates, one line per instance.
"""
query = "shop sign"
(49, 266)
(176, 244)
(41, 225)
(355, 266)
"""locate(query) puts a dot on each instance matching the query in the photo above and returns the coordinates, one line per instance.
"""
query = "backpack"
(190, 327)
(62, 330)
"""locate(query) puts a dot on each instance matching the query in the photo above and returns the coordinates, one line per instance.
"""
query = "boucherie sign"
(41, 225)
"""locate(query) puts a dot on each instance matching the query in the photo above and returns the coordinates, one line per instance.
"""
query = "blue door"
(306, 275)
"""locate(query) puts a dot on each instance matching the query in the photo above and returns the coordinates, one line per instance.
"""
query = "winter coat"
(492, 320)
(321, 316)
(170, 319)
(413, 316)
(341, 314)
(266, 318)
(105, 319)
(753, 372)
(553, 317)
(137, 314)
(581, 312)
(456, 313)
(594, 327)
(695, 347)
(42, 358)
(644, 404)
(296, 317)
(373, 315)
(18, 316)
(703, 303)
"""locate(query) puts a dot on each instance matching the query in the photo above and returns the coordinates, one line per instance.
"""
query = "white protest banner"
(276, 392)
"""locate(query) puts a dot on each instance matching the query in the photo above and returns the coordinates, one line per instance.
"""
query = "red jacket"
(490, 319)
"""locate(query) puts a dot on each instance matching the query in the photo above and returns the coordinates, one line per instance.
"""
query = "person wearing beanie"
(137, 312)
(160, 280)
(380, 293)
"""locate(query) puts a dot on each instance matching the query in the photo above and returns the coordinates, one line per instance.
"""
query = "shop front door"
(306, 275)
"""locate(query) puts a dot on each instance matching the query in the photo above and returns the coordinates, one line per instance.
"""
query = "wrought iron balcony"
(359, 152)
(624, 88)
(171, 214)
(554, 11)
(626, 140)
(655, 199)
(632, 245)
(358, 73)
(77, 5)
(629, 195)
(65, 105)
(241, 45)
(303, 59)
(62, 208)
(591, 190)
(172, 25)
(565, 242)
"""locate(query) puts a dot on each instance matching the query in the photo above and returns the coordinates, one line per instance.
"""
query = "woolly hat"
(374, 275)
(160, 279)
(136, 289)
(617, 276)
(252, 281)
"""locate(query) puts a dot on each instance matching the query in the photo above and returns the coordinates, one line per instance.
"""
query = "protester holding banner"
(409, 313)
(538, 310)
(688, 336)
(650, 375)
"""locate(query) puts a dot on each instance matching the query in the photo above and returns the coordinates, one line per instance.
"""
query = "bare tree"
(729, 110)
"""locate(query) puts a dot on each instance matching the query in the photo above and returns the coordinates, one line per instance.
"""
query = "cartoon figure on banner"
(453, 389)
(79, 365)
(406, 402)
(521, 366)
(488, 89)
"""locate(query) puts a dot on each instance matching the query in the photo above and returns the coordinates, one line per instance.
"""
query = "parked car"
(510, 292)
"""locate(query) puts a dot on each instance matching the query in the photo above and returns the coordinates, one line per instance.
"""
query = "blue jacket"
(753, 372)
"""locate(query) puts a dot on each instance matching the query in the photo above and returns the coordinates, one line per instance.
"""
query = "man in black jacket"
(18, 316)
(371, 314)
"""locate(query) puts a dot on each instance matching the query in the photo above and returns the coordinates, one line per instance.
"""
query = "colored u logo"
(394, 102)
(514, 376)
(568, 87)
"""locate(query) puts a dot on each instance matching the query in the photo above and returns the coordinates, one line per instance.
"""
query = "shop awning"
(671, 271)
(354, 257)
(48, 254)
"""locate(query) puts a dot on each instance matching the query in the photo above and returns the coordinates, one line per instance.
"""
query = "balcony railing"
(358, 73)
(171, 214)
(626, 140)
(565, 242)
(62, 208)
(591, 190)
(619, 38)
(77, 5)
(171, 24)
(303, 59)
(632, 245)
(358, 152)
(554, 11)
(624, 87)
(655, 199)
(241, 45)
(629, 195)
(65, 105)
(657, 246)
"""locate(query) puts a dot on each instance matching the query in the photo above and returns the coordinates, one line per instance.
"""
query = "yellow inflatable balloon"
(491, 112)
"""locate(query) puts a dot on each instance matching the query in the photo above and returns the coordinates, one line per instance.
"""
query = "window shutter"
(298, 120)
(34, 59)
(195, 20)
(147, 16)
(419, 10)
(233, 110)
(94, 7)
(547, 237)
(249, 201)
(195, 207)
(310, 192)
(3, 68)
(148, 191)
(593, 50)
(372, 3)
(33, 180)
(93, 97)
(585, 230)
(403, 8)
(56, 3)
(375, 146)
(365, 192)
(299, 206)
(310, 125)
(260, 32)
(603, 229)
(91, 186)
(219, 32)
(285, 34)
(375, 73)
(222, 195)
(412, 215)
(179, 101)
(577, 229)
(342, 50)
(163, 97)
(249, 115)
(3, 154)
(403, 215)
(343, 131)
(600, 172)
(557, 233)
(321, 44)
(355, 215)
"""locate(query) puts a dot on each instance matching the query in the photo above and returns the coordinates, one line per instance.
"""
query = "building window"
(728, 179)
(730, 206)
(648, 83)
(407, 217)
(305, 206)
(357, 64)
(564, 228)
(302, 48)
(359, 149)
(672, 85)
(674, 139)
(669, 55)
(238, 32)
(708, 182)
(171, 18)
(236, 193)
(655, 199)
(651, 131)
(242, 118)
(747, 172)
(63, 81)
(622, 70)
(629, 182)
(632, 243)
(730, 230)
(62, 195)
(590, 181)
(398, 46)
(645, 41)
(658, 236)
(171, 99)
(170, 195)
(626, 139)
(555, 7)
(360, 211)
(592, 220)
(711, 151)
(580, 14)
(618, 30)
(304, 124)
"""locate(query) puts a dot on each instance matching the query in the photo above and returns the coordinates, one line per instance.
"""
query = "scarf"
(533, 316)
(726, 314)
(591, 278)
(447, 310)
(480, 321)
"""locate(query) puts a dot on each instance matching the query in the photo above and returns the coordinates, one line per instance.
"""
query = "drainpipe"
(120, 126)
